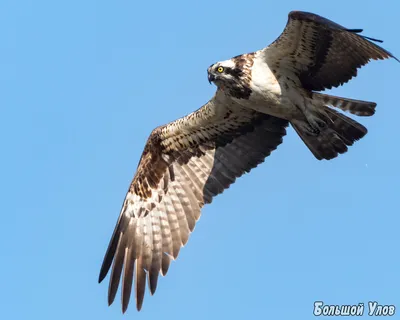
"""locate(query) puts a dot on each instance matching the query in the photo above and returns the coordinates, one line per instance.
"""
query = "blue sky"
(84, 83)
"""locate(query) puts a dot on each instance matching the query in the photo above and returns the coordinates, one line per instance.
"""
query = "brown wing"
(320, 52)
(183, 166)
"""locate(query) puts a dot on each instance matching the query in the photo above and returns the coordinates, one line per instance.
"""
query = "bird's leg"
(314, 124)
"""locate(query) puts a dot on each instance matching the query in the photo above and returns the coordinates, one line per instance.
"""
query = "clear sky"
(83, 83)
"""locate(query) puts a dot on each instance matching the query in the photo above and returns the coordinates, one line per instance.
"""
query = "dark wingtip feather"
(389, 55)
(116, 271)
(108, 258)
(372, 39)
(140, 284)
(125, 299)
(365, 37)
(103, 274)
(124, 308)
(112, 247)
(129, 265)
(395, 58)
(166, 260)
(126, 294)
(355, 30)
(153, 279)
(111, 292)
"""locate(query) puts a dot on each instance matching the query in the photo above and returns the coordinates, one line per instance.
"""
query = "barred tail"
(357, 107)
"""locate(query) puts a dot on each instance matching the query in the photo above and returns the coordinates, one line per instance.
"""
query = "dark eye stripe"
(236, 72)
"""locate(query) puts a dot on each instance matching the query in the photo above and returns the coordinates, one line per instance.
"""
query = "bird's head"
(223, 73)
(232, 76)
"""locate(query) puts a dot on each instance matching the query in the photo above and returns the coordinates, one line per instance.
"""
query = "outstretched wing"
(184, 165)
(322, 53)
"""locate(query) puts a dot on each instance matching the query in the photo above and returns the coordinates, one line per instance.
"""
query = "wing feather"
(215, 184)
(140, 282)
(166, 233)
(188, 198)
(183, 166)
(320, 52)
(166, 260)
(116, 270)
(222, 170)
(155, 266)
(175, 231)
(129, 264)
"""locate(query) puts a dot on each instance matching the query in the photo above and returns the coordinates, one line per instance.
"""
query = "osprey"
(189, 161)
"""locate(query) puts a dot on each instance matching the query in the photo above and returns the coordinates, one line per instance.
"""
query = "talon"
(316, 124)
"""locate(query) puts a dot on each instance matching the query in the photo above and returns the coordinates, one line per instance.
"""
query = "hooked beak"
(211, 77)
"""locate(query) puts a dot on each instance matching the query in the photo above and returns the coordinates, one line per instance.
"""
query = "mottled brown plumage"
(331, 52)
(183, 167)
(191, 160)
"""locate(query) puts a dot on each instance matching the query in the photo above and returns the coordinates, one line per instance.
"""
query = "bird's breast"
(268, 93)
(264, 84)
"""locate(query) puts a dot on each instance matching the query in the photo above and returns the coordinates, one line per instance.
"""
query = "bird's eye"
(220, 69)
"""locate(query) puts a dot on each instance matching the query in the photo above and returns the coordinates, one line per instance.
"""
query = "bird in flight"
(191, 160)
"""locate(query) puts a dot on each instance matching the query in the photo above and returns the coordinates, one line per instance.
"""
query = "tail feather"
(339, 133)
(357, 107)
